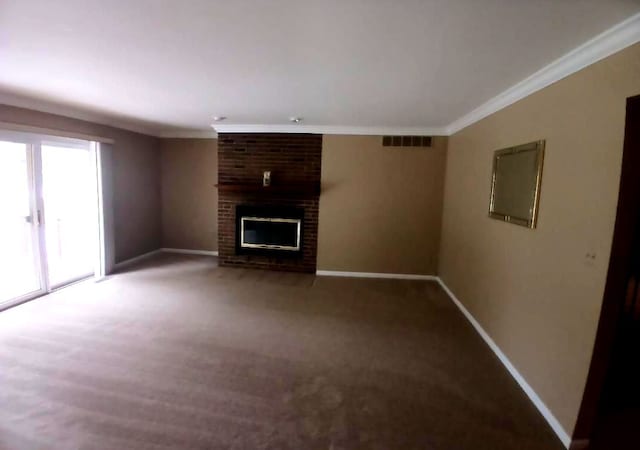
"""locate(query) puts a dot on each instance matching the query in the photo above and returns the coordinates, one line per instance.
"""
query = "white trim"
(329, 129)
(36, 210)
(23, 299)
(620, 36)
(398, 276)
(96, 175)
(194, 134)
(535, 399)
(40, 213)
(186, 251)
(135, 259)
(105, 187)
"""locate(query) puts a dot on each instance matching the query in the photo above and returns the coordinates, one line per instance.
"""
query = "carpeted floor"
(179, 353)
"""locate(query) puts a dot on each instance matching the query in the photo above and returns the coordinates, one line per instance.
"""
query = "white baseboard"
(186, 251)
(135, 259)
(398, 276)
(533, 396)
(535, 399)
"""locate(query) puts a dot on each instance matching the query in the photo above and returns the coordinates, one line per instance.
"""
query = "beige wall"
(136, 177)
(533, 290)
(189, 198)
(380, 207)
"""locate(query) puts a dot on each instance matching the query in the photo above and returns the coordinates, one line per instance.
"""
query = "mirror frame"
(538, 147)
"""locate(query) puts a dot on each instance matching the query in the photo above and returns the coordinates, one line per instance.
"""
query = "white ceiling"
(167, 66)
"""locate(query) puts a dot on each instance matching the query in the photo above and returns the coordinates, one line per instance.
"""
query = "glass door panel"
(70, 215)
(19, 265)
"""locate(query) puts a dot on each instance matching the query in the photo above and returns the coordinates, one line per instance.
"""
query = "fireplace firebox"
(265, 230)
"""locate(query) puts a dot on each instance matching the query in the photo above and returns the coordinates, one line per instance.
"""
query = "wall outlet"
(590, 259)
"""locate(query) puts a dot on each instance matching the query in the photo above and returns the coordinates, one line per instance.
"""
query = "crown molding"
(618, 37)
(330, 129)
(194, 134)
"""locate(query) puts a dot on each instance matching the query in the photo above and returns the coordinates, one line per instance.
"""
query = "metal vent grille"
(406, 141)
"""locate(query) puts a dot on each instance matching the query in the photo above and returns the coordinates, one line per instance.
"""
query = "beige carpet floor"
(181, 354)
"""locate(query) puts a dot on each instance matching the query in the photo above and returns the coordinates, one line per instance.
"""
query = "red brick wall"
(292, 159)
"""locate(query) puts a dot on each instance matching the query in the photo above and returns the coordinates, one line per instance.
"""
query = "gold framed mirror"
(515, 184)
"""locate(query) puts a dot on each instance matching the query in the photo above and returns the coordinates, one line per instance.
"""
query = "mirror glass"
(515, 184)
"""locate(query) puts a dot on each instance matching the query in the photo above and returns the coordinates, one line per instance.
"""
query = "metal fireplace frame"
(244, 244)
(265, 213)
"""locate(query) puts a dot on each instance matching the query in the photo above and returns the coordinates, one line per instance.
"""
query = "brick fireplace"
(294, 161)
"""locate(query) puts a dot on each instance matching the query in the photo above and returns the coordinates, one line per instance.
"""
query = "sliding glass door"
(69, 194)
(20, 267)
(49, 214)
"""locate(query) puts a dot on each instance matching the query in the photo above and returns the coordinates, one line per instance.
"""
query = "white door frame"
(39, 217)
(34, 220)
(104, 165)
(102, 159)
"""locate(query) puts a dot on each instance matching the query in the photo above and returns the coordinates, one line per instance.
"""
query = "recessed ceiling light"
(218, 118)
(295, 119)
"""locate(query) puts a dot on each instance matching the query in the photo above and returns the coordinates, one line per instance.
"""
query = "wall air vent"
(406, 141)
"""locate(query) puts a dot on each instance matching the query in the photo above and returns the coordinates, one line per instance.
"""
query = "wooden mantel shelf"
(306, 189)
